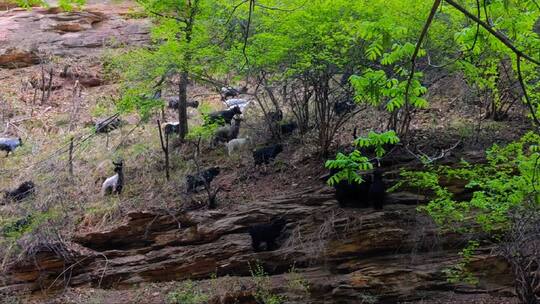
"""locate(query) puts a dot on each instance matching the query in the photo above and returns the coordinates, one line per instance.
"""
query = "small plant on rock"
(263, 295)
(460, 273)
(188, 293)
(297, 282)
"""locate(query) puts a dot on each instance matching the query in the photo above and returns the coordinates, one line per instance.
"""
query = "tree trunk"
(182, 105)
(184, 75)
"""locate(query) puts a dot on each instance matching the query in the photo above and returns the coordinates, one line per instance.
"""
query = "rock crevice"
(342, 253)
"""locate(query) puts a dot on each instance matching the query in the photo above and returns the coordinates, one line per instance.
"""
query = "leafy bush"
(351, 165)
(502, 184)
(208, 128)
(188, 293)
(459, 272)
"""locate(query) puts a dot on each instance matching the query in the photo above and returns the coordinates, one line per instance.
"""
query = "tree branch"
(494, 32)
(524, 88)
(436, 5)
(169, 17)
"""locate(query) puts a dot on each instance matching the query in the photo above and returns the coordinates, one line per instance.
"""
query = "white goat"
(241, 103)
(115, 183)
(237, 144)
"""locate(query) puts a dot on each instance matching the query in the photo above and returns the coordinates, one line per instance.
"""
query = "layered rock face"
(27, 35)
(344, 254)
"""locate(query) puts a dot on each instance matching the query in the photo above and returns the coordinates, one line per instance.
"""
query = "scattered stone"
(14, 58)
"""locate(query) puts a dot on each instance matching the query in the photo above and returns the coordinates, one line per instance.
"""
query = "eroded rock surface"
(25, 35)
(14, 57)
(344, 254)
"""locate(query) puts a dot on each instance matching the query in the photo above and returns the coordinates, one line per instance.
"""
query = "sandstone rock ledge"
(394, 254)
(25, 36)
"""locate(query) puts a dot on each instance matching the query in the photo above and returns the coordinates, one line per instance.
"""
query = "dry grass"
(68, 204)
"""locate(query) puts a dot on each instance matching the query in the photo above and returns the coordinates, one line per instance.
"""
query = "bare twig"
(405, 124)
(423, 157)
(524, 88)
(79, 262)
(165, 148)
(71, 156)
(75, 99)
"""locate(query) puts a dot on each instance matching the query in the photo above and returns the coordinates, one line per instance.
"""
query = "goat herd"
(371, 192)
(227, 132)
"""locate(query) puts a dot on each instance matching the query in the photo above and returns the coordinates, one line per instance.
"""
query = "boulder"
(75, 34)
(66, 22)
(14, 58)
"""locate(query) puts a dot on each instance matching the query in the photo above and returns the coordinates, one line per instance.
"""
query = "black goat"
(23, 191)
(266, 233)
(288, 128)
(344, 107)
(174, 103)
(370, 192)
(377, 190)
(227, 92)
(10, 144)
(353, 194)
(275, 116)
(227, 133)
(226, 115)
(201, 179)
(171, 128)
(107, 125)
(266, 154)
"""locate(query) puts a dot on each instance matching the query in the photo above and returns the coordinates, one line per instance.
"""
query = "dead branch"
(165, 148)
(424, 158)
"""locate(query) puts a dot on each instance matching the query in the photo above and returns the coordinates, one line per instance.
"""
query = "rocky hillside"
(343, 256)
(27, 35)
(327, 255)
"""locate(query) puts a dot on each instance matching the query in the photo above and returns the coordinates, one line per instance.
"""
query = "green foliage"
(66, 5)
(137, 71)
(188, 293)
(297, 282)
(484, 56)
(69, 5)
(180, 44)
(208, 128)
(460, 273)
(378, 141)
(14, 229)
(28, 4)
(505, 182)
(333, 36)
(136, 14)
(205, 131)
(375, 88)
(351, 165)
(17, 227)
(263, 285)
